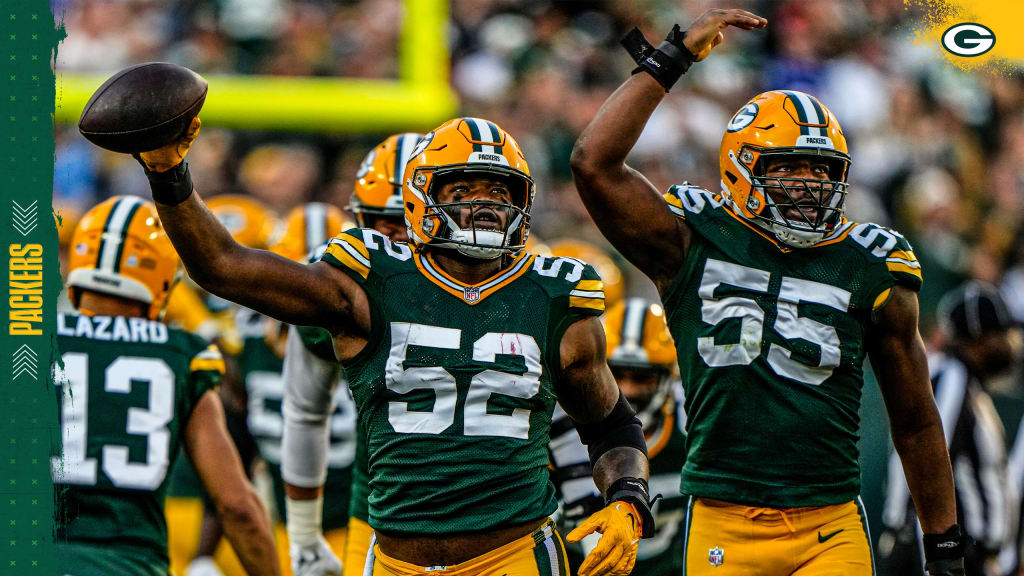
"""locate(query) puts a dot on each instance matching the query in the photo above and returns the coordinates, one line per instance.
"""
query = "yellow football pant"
(724, 539)
(356, 547)
(540, 553)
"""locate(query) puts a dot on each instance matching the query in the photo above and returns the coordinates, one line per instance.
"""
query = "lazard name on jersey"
(796, 321)
(457, 415)
(123, 408)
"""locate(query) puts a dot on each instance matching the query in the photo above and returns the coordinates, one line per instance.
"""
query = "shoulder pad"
(356, 250)
(889, 246)
(685, 199)
(579, 280)
(207, 360)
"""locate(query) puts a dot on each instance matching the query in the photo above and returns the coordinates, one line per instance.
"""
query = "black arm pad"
(619, 428)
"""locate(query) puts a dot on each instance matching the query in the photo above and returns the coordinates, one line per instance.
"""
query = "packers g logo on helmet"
(467, 147)
(119, 248)
(785, 123)
(378, 189)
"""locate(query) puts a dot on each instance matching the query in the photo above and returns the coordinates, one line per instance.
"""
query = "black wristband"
(666, 63)
(171, 187)
(950, 545)
(635, 492)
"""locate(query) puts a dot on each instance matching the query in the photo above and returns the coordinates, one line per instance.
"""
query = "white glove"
(315, 559)
(203, 566)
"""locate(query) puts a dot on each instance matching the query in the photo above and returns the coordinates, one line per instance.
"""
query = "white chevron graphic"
(25, 362)
(25, 218)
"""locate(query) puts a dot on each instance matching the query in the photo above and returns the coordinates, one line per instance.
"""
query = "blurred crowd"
(938, 153)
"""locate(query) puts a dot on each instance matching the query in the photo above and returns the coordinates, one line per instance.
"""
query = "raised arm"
(625, 205)
(898, 358)
(314, 295)
(618, 451)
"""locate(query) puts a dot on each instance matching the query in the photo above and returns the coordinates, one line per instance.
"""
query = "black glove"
(944, 553)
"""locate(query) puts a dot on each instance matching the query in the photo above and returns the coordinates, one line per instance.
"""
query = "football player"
(132, 391)
(311, 382)
(455, 348)
(774, 301)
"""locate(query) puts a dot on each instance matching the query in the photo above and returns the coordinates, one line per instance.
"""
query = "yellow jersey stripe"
(900, 267)
(903, 255)
(590, 285)
(581, 302)
(206, 364)
(881, 299)
(356, 243)
(338, 252)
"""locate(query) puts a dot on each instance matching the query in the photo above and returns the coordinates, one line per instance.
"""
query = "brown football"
(143, 107)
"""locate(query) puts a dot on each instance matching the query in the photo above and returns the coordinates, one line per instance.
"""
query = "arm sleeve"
(309, 384)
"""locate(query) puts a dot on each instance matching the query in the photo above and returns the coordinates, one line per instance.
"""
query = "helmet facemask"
(648, 407)
(800, 212)
(474, 227)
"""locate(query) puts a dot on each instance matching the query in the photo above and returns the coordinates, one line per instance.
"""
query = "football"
(143, 107)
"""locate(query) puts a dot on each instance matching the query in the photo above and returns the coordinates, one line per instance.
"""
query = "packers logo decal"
(968, 39)
(743, 118)
(421, 145)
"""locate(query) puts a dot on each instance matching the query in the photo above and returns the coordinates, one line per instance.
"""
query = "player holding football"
(455, 353)
(132, 392)
(773, 299)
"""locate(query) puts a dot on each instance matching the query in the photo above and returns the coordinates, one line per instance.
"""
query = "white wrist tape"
(303, 520)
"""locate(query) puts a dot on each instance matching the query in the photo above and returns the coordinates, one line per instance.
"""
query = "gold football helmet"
(378, 190)
(467, 146)
(638, 340)
(611, 275)
(250, 222)
(120, 248)
(785, 123)
(307, 227)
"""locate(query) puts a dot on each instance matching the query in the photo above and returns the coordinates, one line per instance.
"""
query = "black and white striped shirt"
(986, 499)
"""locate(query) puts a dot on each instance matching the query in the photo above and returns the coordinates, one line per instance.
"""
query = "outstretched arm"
(625, 205)
(898, 359)
(315, 295)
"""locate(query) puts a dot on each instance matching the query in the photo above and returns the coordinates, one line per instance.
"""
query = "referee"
(980, 343)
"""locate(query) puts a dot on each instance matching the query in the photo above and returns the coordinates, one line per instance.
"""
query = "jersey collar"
(473, 294)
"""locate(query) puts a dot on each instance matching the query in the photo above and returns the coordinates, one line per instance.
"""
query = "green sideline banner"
(29, 433)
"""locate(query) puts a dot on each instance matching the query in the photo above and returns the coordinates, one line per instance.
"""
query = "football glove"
(315, 559)
(169, 156)
(615, 554)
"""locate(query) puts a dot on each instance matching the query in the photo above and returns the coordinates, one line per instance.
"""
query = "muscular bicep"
(585, 386)
(898, 359)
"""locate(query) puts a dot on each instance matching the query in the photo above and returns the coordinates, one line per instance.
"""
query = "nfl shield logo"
(471, 294)
(716, 556)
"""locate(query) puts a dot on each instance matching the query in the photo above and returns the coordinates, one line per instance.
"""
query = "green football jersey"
(662, 554)
(126, 389)
(260, 368)
(771, 352)
(454, 387)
